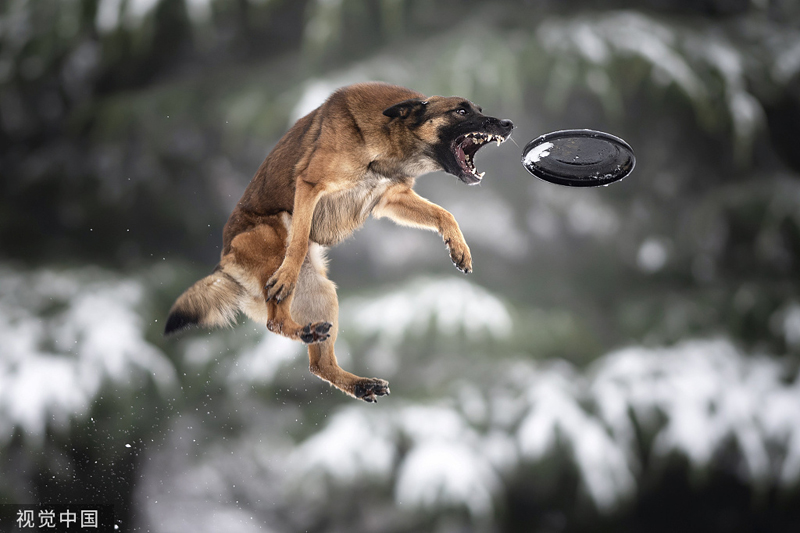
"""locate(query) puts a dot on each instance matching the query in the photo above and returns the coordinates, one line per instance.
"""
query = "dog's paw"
(368, 389)
(459, 254)
(275, 326)
(280, 285)
(318, 332)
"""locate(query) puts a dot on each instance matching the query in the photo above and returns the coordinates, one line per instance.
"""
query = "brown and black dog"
(355, 155)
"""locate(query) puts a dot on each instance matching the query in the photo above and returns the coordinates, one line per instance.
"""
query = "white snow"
(692, 399)
(787, 62)
(683, 57)
(352, 446)
(107, 18)
(709, 392)
(64, 334)
(137, 10)
(441, 474)
(555, 412)
(789, 324)
(199, 10)
(261, 363)
(538, 153)
(132, 12)
(454, 305)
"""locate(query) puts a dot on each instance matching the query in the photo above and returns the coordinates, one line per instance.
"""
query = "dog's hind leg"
(315, 302)
(254, 256)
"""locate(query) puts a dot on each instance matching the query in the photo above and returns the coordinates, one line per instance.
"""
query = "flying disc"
(579, 158)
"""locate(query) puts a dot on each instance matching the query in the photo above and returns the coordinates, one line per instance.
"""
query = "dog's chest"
(340, 214)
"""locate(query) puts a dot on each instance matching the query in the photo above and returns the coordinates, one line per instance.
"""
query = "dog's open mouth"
(466, 146)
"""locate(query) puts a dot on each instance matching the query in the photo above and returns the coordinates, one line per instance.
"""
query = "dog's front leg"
(281, 284)
(406, 207)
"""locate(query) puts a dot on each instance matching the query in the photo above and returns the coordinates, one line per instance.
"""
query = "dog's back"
(351, 116)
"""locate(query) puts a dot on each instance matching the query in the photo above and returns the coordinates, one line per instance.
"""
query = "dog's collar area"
(466, 146)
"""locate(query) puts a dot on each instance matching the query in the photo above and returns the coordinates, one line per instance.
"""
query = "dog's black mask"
(468, 131)
(454, 130)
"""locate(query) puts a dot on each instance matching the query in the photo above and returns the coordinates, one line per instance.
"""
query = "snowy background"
(622, 359)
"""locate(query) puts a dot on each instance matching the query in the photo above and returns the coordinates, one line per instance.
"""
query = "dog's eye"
(461, 111)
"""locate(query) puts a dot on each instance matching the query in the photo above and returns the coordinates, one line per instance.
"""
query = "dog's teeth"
(481, 175)
(499, 140)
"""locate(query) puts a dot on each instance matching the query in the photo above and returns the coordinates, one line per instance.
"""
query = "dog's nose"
(505, 123)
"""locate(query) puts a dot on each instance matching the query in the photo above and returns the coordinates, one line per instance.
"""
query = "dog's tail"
(212, 301)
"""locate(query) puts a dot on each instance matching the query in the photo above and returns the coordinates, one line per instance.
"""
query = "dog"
(356, 155)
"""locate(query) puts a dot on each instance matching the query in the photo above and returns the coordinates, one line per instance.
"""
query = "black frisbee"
(579, 158)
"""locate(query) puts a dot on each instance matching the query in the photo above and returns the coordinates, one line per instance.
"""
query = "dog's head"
(451, 130)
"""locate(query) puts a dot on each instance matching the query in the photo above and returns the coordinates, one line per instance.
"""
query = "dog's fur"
(355, 155)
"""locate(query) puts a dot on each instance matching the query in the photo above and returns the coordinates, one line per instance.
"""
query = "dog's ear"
(405, 108)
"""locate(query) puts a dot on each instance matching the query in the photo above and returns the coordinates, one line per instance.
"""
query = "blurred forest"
(622, 359)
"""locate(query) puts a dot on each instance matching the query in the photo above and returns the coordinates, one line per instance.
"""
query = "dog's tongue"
(461, 155)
